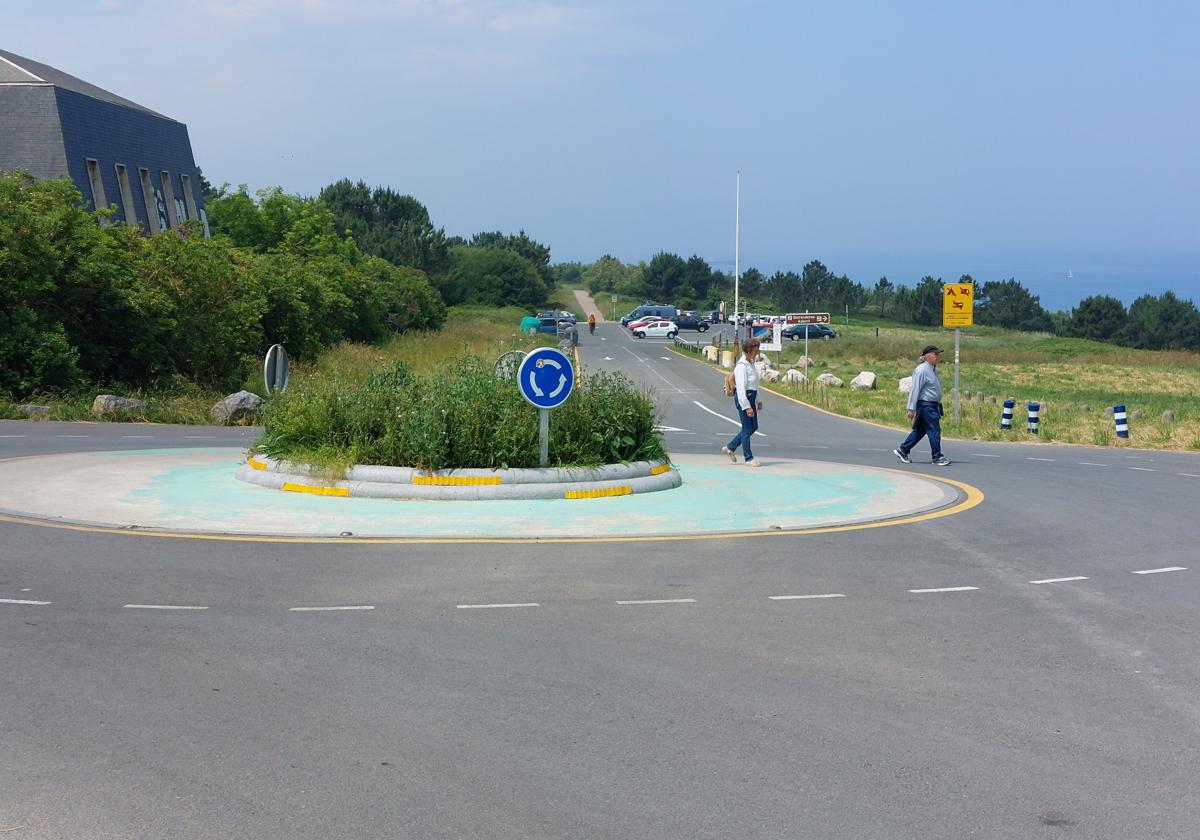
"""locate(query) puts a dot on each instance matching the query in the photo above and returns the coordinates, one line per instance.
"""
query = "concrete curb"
(366, 481)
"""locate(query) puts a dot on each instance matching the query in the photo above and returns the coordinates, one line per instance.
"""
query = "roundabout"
(196, 493)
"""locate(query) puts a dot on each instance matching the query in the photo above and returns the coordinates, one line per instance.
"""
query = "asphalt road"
(1025, 669)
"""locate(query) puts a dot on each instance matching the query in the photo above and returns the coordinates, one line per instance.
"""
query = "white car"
(657, 329)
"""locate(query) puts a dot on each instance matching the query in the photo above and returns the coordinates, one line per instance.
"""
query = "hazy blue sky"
(859, 128)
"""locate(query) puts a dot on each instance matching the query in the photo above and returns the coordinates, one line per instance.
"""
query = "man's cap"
(931, 348)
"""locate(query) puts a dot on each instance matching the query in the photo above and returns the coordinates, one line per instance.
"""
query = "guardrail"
(690, 346)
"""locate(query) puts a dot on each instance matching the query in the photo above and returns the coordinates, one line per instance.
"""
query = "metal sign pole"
(543, 436)
(957, 339)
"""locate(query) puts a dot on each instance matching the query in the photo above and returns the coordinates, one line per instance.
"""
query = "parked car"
(646, 310)
(796, 331)
(713, 316)
(561, 315)
(691, 321)
(641, 322)
(657, 329)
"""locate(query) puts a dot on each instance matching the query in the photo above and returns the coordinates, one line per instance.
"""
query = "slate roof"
(18, 70)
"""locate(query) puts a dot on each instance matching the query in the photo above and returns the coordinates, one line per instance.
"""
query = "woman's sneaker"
(904, 459)
(753, 462)
(729, 452)
(942, 462)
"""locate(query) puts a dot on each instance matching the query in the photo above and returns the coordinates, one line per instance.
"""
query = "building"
(117, 152)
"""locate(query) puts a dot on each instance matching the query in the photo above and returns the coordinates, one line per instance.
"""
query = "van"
(647, 309)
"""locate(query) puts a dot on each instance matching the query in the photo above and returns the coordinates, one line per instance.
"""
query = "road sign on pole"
(806, 318)
(958, 304)
(545, 378)
(275, 369)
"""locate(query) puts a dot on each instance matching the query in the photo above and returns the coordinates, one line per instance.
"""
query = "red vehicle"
(651, 319)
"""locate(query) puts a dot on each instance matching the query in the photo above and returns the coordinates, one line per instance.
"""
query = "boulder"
(237, 409)
(979, 396)
(1109, 411)
(771, 376)
(107, 404)
(829, 379)
(865, 381)
(30, 410)
(906, 385)
(1168, 416)
(1085, 408)
(795, 376)
(710, 352)
(804, 361)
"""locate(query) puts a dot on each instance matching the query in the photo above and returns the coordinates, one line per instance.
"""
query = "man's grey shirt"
(925, 385)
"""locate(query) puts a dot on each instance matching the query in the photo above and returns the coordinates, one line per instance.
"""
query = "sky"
(953, 135)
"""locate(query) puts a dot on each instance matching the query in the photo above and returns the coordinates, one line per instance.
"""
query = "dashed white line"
(20, 601)
(722, 416)
(811, 446)
(804, 597)
(662, 601)
(1141, 469)
(1091, 464)
(160, 607)
(861, 449)
(945, 589)
(70, 436)
(1048, 460)
(327, 609)
(137, 437)
(1160, 571)
(494, 606)
(981, 455)
(1058, 580)
(1189, 475)
(198, 437)
(13, 436)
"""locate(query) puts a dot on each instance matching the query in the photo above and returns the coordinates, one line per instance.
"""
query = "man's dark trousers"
(927, 420)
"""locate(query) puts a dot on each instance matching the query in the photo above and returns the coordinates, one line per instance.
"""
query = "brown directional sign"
(806, 318)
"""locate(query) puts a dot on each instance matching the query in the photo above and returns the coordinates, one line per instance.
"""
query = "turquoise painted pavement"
(194, 490)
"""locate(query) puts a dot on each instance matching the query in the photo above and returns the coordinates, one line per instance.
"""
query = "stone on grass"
(30, 410)
(1108, 410)
(238, 409)
(830, 380)
(1136, 414)
(979, 396)
(1168, 416)
(110, 404)
(795, 376)
(906, 385)
(771, 376)
(710, 352)
(865, 381)
(1085, 408)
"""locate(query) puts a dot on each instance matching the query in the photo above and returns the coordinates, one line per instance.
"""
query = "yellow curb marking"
(598, 494)
(316, 491)
(258, 465)
(660, 469)
(454, 481)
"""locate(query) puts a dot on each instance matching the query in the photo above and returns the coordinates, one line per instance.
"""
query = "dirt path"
(588, 305)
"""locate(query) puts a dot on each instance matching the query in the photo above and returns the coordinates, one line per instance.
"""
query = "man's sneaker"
(904, 459)
(729, 452)
(942, 462)
(753, 462)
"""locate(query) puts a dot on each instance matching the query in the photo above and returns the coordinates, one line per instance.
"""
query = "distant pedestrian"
(592, 324)
(745, 400)
(925, 408)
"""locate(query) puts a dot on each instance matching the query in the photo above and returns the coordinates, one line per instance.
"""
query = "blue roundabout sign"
(546, 377)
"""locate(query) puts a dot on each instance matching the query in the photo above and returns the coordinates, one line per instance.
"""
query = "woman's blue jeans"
(927, 420)
(749, 427)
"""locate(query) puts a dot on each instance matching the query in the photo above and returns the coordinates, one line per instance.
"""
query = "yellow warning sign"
(958, 304)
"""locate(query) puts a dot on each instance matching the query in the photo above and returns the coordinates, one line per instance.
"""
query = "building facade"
(117, 152)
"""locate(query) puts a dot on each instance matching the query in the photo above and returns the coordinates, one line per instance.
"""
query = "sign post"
(275, 370)
(806, 317)
(614, 303)
(545, 379)
(958, 311)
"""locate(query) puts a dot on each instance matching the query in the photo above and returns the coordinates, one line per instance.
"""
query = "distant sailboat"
(1069, 274)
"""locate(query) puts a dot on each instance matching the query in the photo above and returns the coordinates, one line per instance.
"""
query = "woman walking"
(745, 400)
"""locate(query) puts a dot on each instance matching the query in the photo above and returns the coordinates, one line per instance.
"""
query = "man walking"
(925, 408)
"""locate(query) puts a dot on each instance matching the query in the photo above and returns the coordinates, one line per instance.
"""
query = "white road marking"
(1159, 571)
(804, 597)
(666, 358)
(722, 416)
(493, 606)
(608, 358)
(1091, 464)
(860, 449)
(662, 601)
(326, 609)
(71, 436)
(1058, 580)
(198, 437)
(139, 437)
(19, 601)
(26, 590)
(668, 429)
(1189, 475)
(810, 446)
(160, 607)
(1050, 460)
(981, 455)
(12, 436)
(945, 589)
(1142, 469)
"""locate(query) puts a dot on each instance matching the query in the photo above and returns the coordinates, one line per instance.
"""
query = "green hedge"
(460, 416)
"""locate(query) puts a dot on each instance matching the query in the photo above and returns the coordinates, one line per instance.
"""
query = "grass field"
(1074, 380)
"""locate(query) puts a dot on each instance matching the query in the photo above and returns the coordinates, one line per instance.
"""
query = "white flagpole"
(737, 238)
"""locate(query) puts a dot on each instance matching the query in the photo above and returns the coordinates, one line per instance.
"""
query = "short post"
(1006, 415)
(1121, 421)
(1031, 425)
(543, 436)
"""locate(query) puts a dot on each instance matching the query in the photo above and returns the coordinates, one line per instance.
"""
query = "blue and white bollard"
(1032, 424)
(1121, 420)
(1006, 415)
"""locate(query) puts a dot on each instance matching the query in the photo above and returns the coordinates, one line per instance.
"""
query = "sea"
(1060, 280)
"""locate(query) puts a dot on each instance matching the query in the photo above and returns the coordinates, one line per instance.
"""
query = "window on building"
(98, 200)
(127, 206)
(168, 191)
(188, 198)
(152, 218)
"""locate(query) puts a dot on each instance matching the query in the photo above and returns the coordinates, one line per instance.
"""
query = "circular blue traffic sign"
(546, 377)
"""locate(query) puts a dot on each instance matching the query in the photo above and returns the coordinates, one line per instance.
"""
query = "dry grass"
(1073, 379)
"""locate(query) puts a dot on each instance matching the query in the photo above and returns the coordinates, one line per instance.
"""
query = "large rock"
(830, 380)
(795, 376)
(906, 385)
(804, 361)
(30, 410)
(110, 404)
(865, 381)
(710, 352)
(237, 409)
(771, 376)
